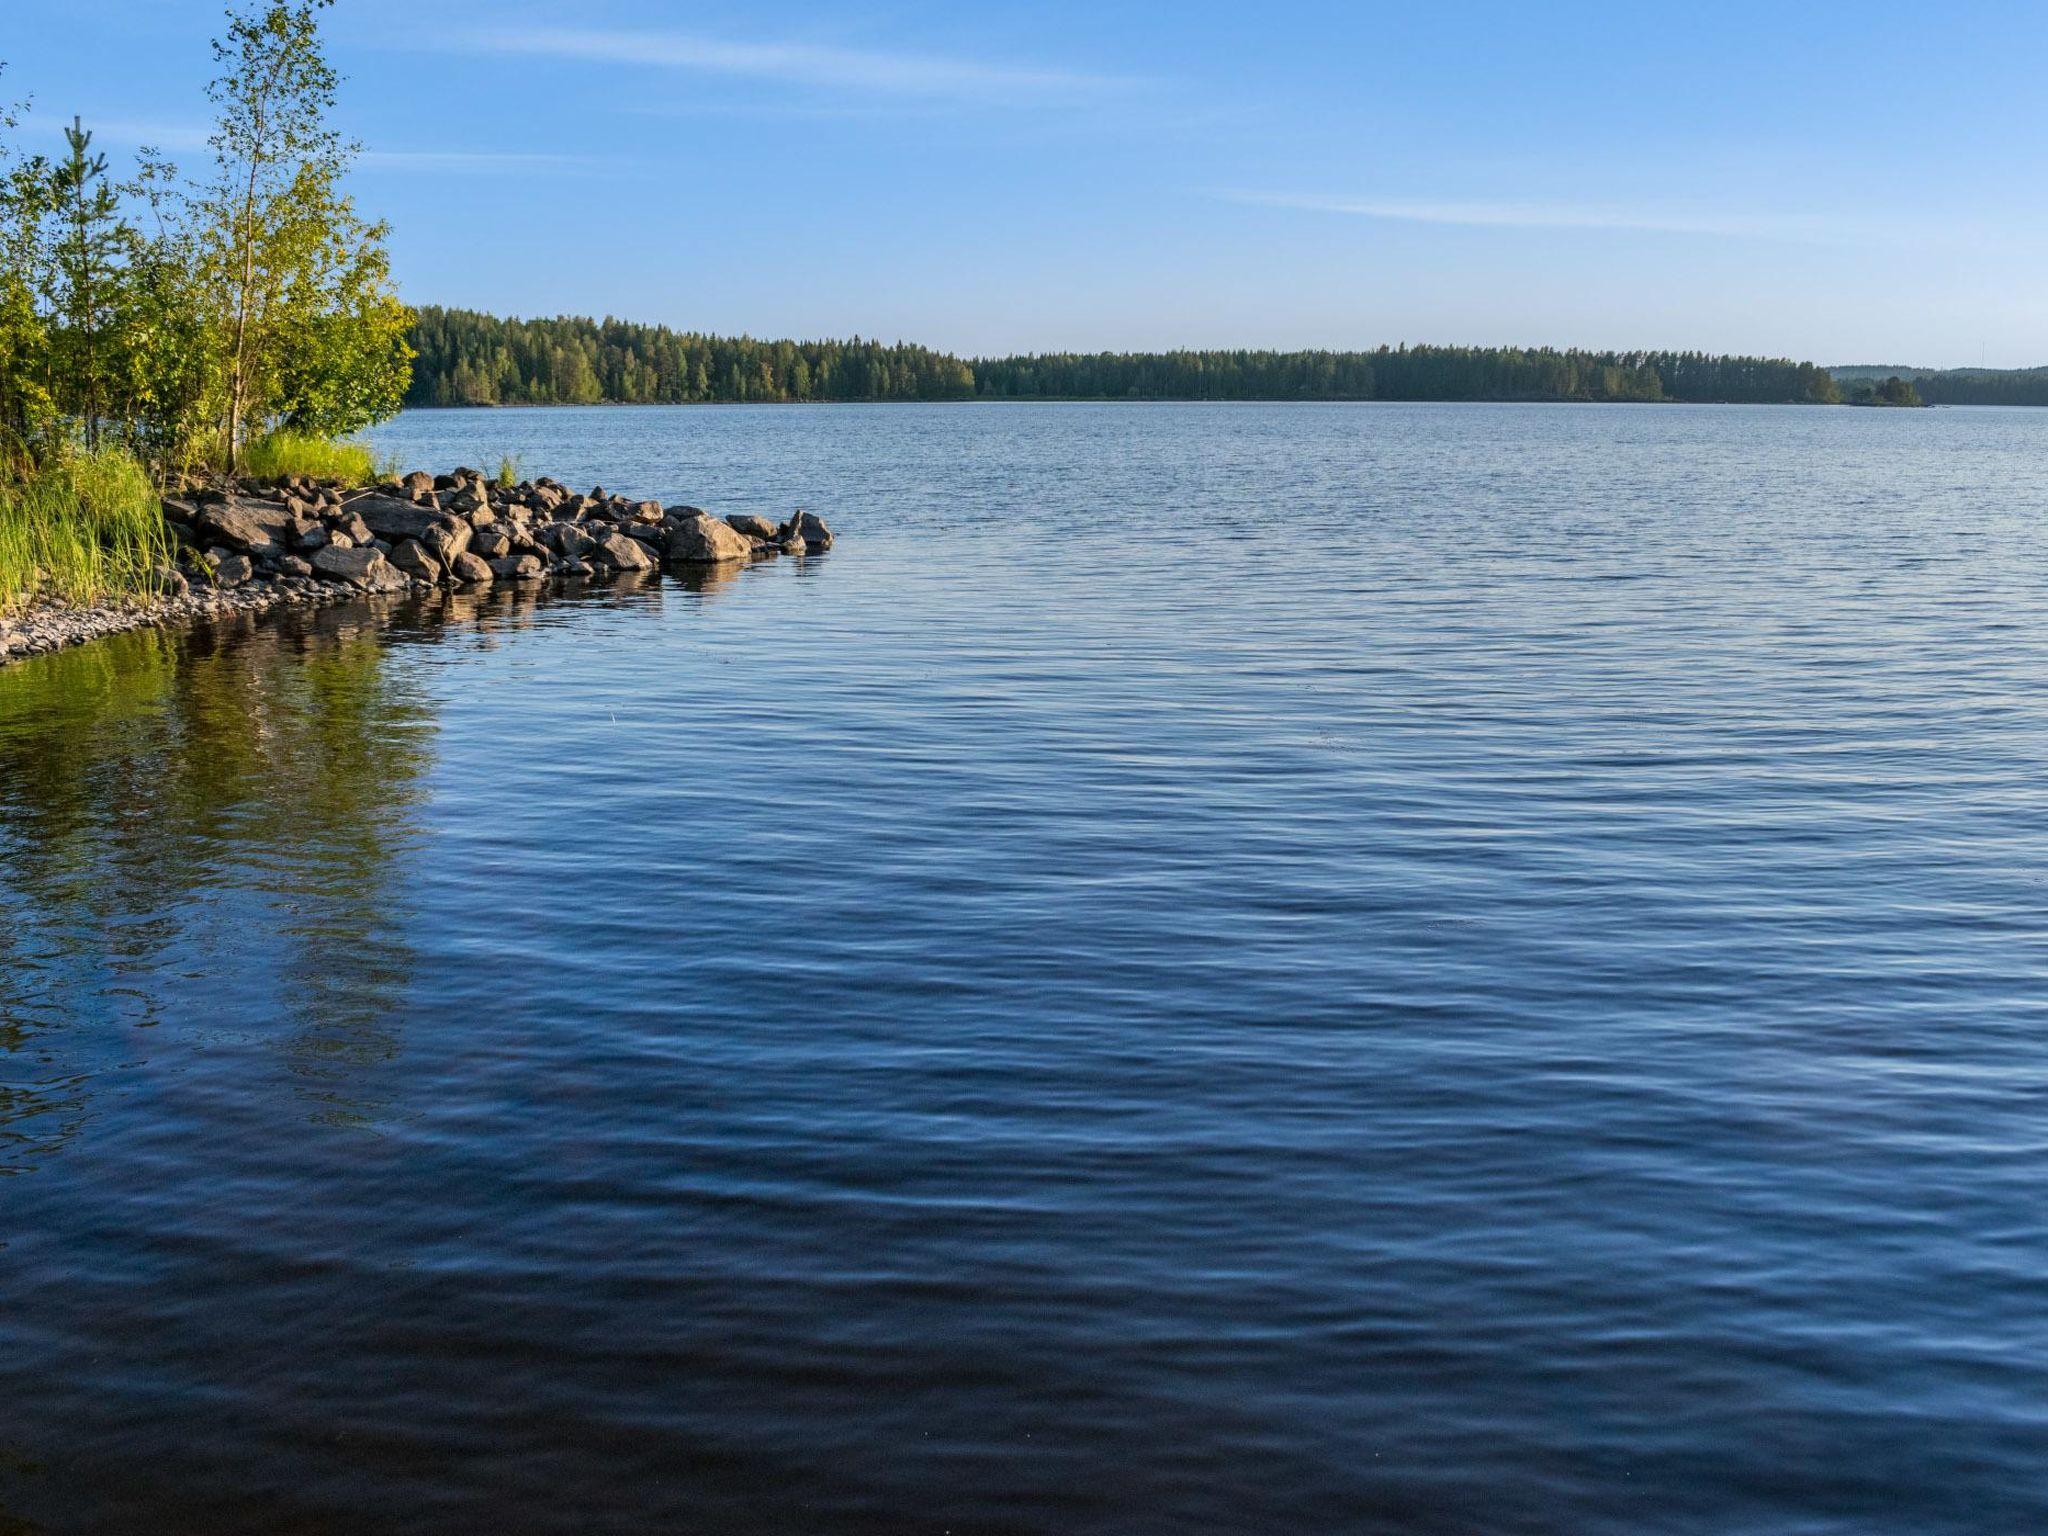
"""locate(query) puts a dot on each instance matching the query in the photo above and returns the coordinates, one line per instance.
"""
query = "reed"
(83, 528)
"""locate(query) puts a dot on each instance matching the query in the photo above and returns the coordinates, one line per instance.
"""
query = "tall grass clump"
(85, 526)
(278, 454)
(510, 470)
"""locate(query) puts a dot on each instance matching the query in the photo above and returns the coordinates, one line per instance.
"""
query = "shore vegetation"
(157, 329)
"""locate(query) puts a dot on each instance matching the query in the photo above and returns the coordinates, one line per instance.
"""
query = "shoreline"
(297, 542)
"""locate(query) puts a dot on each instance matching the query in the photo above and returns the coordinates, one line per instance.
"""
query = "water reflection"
(164, 799)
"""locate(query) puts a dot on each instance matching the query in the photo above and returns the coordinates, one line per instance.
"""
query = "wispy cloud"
(1513, 214)
(468, 160)
(812, 64)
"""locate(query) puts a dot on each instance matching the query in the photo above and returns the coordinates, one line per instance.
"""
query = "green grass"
(510, 471)
(291, 453)
(86, 527)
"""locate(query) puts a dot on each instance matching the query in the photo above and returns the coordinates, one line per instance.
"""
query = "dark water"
(1211, 969)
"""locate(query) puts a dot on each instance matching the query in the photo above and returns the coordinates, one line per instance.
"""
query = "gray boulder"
(250, 527)
(363, 569)
(523, 567)
(491, 541)
(621, 553)
(470, 570)
(704, 540)
(752, 524)
(569, 541)
(233, 570)
(442, 535)
(811, 528)
(412, 558)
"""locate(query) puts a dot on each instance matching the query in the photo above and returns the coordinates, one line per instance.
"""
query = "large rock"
(363, 569)
(621, 553)
(470, 570)
(233, 570)
(525, 567)
(411, 557)
(704, 540)
(811, 528)
(491, 541)
(251, 527)
(569, 541)
(441, 534)
(752, 524)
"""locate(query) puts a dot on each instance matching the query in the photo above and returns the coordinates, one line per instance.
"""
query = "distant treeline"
(468, 358)
(1964, 386)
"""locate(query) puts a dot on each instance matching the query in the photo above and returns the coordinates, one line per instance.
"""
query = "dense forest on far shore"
(1961, 386)
(468, 358)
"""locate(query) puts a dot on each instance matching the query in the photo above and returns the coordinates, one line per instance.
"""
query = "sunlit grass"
(279, 454)
(510, 471)
(85, 527)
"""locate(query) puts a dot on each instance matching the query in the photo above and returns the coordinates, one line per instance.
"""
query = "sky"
(1835, 182)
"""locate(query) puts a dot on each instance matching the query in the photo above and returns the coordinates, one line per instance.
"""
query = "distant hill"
(1957, 386)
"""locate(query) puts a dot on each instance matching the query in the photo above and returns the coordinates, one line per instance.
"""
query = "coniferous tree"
(88, 279)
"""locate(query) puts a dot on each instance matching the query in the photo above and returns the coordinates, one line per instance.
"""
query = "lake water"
(1422, 969)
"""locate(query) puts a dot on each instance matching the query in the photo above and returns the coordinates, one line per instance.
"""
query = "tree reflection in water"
(158, 793)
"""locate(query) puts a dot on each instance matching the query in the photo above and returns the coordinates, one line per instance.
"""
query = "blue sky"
(1845, 182)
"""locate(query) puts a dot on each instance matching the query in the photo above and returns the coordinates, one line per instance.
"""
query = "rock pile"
(455, 530)
(258, 545)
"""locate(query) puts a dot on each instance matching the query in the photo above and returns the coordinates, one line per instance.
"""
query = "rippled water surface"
(1210, 969)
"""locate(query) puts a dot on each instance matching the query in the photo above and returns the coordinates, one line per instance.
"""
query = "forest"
(1961, 386)
(469, 358)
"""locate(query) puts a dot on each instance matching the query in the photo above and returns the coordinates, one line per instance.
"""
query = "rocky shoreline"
(258, 546)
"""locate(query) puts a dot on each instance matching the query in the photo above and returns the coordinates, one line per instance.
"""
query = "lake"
(1210, 968)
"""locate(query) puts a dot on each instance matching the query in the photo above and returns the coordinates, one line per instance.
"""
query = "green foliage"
(180, 322)
(279, 454)
(311, 334)
(82, 526)
(510, 471)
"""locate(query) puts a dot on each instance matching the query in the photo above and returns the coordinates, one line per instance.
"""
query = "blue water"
(1442, 969)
